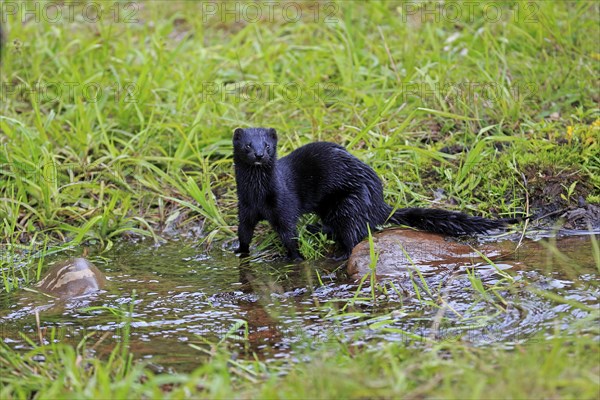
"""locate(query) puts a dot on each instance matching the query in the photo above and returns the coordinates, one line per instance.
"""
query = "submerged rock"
(582, 218)
(402, 250)
(71, 278)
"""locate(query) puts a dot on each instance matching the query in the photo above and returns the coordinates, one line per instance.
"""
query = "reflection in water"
(184, 296)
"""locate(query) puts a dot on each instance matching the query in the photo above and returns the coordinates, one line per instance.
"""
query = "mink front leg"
(286, 229)
(246, 227)
(291, 244)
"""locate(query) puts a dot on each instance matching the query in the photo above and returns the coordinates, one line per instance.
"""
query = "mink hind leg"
(348, 224)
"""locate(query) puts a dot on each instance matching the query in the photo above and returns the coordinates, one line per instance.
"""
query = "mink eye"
(267, 147)
(248, 146)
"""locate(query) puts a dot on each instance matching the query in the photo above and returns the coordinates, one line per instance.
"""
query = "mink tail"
(446, 222)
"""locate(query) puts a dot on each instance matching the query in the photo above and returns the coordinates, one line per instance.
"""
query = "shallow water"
(184, 295)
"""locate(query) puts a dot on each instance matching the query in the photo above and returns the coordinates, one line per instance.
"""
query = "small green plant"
(570, 191)
(313, 245)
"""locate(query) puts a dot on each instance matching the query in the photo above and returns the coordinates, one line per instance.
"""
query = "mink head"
(255, 146)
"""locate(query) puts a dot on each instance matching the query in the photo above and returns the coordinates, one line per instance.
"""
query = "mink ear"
(237, 134)
(272, 133)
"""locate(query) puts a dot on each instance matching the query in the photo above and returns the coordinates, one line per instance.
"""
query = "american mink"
(325, 179)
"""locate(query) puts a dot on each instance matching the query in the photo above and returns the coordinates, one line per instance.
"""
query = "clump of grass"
(313, 243)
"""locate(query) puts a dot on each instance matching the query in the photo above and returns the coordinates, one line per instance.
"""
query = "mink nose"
(259, 156)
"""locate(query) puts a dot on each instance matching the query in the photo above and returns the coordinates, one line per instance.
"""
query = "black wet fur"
(325, 179)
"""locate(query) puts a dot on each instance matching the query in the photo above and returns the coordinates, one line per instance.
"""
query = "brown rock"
(71, 278)
(401, 250)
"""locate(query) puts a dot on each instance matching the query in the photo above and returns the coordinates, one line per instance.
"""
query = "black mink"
(325, 179)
